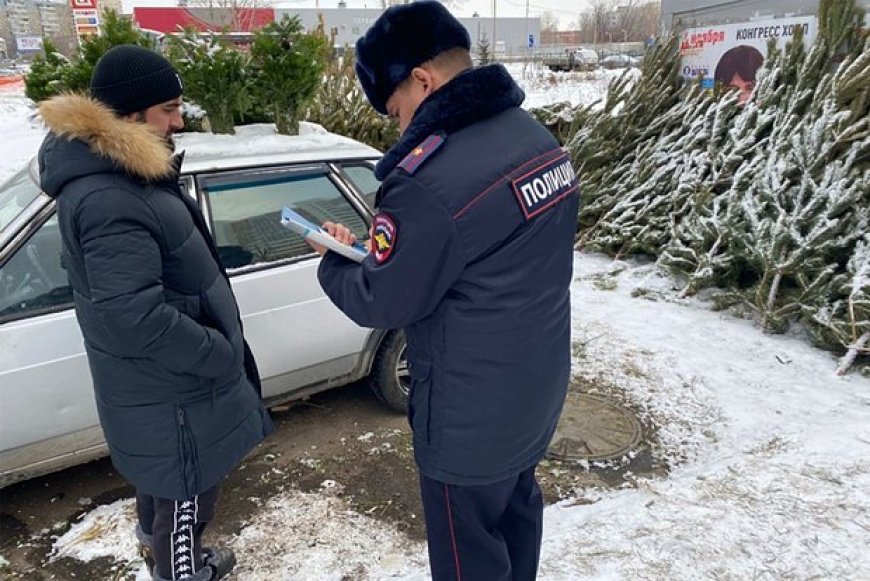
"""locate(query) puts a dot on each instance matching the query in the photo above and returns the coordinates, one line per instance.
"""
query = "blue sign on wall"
(531, 40)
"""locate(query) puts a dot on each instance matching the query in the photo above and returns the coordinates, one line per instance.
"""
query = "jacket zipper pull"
(181, 417)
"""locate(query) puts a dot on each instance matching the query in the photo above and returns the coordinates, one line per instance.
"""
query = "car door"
(47, 410)
(299, 338)
(361, 175)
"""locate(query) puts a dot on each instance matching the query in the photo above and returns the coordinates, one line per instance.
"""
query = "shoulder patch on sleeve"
(421, 153)
(384, 237)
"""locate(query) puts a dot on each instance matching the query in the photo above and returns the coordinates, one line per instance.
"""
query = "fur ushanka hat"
(404, 37)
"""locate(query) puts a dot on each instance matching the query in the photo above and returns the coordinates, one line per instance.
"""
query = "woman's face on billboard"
(745, 87)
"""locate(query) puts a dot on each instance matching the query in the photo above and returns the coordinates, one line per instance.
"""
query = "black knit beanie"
(130, 78)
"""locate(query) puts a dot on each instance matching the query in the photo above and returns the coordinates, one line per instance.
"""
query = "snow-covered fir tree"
(766, 204)
(215, 75)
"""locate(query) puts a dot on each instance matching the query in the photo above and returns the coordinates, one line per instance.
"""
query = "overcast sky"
(565, 11)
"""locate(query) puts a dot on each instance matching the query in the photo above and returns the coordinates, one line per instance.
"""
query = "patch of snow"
(192, 111)
(261, 139)
(106, 531)
(22, 132)
(545, 87)
(772, 460)
(312, 536)
(309, 128)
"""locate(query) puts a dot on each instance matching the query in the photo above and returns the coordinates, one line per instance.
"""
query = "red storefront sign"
(83, 4)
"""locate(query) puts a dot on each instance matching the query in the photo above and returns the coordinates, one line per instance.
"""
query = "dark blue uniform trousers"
(484, 533)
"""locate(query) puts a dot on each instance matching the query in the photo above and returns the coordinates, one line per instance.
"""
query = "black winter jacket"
(175, 385)
(473, 258)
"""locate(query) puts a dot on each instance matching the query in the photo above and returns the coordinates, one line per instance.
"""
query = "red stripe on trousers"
(452, 533)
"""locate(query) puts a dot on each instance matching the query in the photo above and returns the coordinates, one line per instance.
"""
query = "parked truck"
(572, 59)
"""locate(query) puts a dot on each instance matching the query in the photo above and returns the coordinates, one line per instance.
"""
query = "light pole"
(476, 18)
(494, 39)
(527, 36)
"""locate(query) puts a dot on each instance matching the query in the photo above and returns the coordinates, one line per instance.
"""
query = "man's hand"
(338, 231)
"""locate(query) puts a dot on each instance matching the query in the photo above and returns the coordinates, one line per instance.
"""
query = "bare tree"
(649, 20)
(235, 15)
(637, 20)
(454, 3)
(549, 28)
(597, 17)
(619, 20)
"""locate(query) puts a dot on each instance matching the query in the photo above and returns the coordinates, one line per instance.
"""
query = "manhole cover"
(594, 428)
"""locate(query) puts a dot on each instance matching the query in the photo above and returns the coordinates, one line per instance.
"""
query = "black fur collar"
(471, 96)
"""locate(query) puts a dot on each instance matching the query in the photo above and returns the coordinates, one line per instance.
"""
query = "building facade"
(507, 37)
(24, 18)
(693, 13)
(6, 31)
(23, 22)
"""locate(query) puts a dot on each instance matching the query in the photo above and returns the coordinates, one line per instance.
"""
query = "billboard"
(86, 20)
(28, 43)
(732, 53)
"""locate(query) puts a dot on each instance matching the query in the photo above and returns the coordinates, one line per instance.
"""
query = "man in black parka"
(472, 251)
(176, 386)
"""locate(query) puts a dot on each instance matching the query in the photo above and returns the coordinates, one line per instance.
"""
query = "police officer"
(472, 256)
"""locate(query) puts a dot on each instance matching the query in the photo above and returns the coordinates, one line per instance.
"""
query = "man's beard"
(167, 139)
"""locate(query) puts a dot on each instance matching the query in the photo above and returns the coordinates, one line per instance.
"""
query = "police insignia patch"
(383, 237)
(544, 186)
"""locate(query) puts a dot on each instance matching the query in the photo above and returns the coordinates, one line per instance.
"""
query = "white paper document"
(311, 231)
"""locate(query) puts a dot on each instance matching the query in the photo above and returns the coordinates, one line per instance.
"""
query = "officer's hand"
(369, 244)
(338, 231)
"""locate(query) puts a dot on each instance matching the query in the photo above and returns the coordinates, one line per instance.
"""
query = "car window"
(363, 177)
(245, 210)
(33, 280)
(15, 195)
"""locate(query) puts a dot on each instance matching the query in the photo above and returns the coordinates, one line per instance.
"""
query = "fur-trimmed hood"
(86, 137)
(473, 95)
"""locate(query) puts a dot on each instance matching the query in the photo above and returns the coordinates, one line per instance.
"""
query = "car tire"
(389, 378)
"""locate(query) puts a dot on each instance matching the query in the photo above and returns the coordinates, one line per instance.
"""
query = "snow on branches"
(765, 205)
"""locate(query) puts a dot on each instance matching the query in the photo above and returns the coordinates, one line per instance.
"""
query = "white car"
(619, 61)
(585, 59)
(302, 343)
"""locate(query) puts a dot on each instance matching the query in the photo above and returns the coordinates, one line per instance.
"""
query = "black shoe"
(221, 560)
(148, 557)
(145, 550)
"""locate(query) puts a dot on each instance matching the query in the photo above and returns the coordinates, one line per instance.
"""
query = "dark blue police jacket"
(473, 247)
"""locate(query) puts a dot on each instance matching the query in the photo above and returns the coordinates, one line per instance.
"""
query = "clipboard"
(311, 231)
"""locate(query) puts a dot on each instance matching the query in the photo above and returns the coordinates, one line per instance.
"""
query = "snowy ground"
(770, 455)
(545, 87)
(20, 134)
